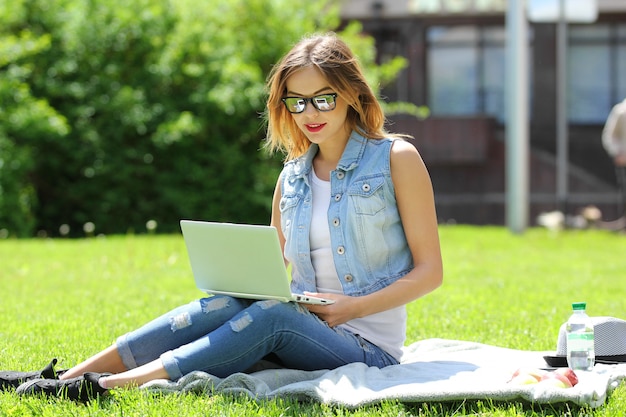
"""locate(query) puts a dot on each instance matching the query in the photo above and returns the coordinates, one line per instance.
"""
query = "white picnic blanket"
(432, 370)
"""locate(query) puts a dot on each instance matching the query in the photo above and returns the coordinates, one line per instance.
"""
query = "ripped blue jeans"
(222, 335)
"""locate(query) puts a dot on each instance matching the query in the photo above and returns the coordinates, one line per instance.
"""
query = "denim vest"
(369, 246)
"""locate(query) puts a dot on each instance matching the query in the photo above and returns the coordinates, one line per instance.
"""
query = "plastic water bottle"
(580, 343)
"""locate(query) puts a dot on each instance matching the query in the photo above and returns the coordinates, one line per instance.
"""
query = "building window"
(466, 70)
(596, 64)
(620, 70)
(452, 68)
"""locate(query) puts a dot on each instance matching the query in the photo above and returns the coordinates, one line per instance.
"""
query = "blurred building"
(456, 66)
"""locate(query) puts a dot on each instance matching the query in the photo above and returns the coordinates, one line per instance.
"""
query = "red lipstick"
(314, 128)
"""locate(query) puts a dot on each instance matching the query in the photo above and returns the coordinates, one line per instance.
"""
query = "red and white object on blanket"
(560, 377)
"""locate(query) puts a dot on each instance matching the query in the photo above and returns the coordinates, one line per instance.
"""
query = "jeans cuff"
(170, 364)
(123, 349)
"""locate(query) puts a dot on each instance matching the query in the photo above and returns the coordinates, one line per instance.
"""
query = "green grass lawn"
(70, 298)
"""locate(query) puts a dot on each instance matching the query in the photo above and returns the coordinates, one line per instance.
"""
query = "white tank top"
(387, 329)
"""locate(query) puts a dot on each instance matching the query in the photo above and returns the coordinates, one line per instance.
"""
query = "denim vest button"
(336, 222)
(341, 250)
(337, 197)
(341, 175)
(348, 278)
(366, 187)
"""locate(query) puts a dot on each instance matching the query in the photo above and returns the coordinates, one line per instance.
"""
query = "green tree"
(137, 110)
(25, 119)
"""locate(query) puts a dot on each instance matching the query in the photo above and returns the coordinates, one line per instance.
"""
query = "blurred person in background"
(614, 142)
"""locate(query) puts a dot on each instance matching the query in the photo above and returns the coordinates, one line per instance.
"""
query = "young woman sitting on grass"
(355, 214)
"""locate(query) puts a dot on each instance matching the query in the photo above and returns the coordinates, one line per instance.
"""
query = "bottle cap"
(579, 306)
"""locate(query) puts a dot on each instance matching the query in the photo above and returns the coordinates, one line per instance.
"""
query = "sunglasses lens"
(294, 104)
(325, 102)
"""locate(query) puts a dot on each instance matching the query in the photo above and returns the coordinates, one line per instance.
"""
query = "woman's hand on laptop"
(344, 309)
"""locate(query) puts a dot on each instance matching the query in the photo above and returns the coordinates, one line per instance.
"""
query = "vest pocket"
(366, 195)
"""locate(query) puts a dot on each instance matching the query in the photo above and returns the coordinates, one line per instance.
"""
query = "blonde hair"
(334, 59)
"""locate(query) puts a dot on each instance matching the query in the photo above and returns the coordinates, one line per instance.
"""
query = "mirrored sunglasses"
(323, 102)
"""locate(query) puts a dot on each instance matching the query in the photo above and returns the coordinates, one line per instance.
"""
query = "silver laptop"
(239, 260)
